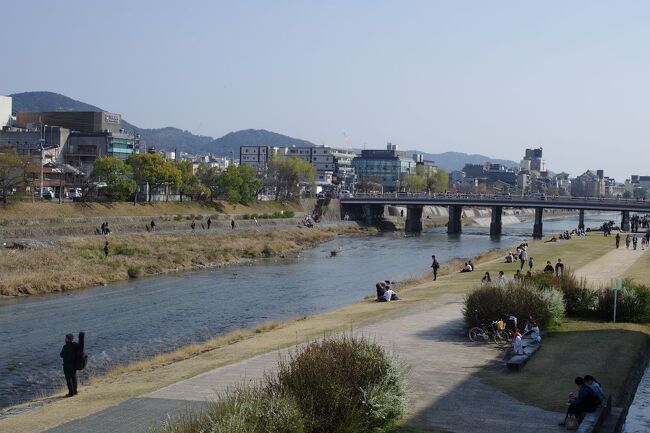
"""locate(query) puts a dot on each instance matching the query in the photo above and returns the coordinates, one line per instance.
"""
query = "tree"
(118, 176)
(238, 184)
(190, 184)
(286, 174)
(413, 183)
(16, 172)
(156, 171)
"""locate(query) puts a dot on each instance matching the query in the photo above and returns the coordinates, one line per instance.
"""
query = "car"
(345, 194)
(75, 194)
(321, 196)
(48, 193)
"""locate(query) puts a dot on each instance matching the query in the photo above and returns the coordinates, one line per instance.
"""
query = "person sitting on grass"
(486, 281)
(548, 269)
(466, 268)
(390, 295)
(381, 289)
(585, 402)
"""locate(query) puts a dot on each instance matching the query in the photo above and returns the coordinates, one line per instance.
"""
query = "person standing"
(628, 240)
(530, 263)
(501, 279)
(69, 353)
(559, 268)
(635, 241)
(618, 239)
(435, 266)
(232, 224)
(209, 222)
(105, 249)
(522, 257)
(193, 225)
(153, 225)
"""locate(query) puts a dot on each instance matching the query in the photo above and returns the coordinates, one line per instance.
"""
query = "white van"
(74, 194)
(345, 194)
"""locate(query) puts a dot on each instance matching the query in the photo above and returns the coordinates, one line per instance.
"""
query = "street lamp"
(42, 144)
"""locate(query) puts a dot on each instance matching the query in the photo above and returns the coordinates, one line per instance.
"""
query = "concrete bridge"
(370, 208)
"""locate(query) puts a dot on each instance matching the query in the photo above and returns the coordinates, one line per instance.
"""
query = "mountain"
(451, 161)
(161, 138)
(253, 137)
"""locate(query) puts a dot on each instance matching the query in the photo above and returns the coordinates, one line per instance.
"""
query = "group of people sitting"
(590, 397)
(521, 254)
(487, 280)
(467, 267)
(385, 292)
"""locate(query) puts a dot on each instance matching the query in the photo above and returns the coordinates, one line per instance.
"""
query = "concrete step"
(613, 421)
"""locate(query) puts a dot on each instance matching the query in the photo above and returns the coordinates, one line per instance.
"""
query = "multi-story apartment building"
(385, 167)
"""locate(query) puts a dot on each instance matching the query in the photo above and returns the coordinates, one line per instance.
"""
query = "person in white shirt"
(501, 279)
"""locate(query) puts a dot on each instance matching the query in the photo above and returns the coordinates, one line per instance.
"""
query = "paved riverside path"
(430, 337)
(604, 269)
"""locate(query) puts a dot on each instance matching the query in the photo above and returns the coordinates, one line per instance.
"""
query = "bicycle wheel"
(500, 338)
(477, 335)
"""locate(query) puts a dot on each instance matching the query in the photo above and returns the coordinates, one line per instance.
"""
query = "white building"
(5, 111)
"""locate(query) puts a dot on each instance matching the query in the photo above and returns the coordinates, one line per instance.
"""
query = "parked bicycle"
(487, 332)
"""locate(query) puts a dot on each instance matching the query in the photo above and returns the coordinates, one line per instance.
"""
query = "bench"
(516, 362)
(592, 421)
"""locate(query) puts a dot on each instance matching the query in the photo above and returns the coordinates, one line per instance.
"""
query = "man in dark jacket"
(69, 353)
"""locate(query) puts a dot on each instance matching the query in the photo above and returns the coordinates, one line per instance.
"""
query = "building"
(533, 160)
(344, 175)
(589, 184)
(491, 173)
(255, 156)
(385, 167)
(5, 111)
(89, 122)
(83, 149)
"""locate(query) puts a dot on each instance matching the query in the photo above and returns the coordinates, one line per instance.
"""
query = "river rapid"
(141, 318)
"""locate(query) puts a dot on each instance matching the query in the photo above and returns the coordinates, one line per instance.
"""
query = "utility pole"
(42, 143)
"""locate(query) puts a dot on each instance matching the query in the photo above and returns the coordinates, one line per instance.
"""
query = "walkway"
(603, 270)
(431, 338)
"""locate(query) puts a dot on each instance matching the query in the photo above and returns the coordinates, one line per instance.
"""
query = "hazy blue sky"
(489, 77)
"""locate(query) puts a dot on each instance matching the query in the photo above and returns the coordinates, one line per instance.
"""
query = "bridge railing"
(490, 197)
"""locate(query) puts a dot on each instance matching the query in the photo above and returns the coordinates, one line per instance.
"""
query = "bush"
(579, 299)
(245, 410)
(521, 299)
(632, 303)
(344, 385)
(289, 214)
(134, 271)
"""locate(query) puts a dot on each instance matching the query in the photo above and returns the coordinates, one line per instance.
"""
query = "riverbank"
(139, 379)
(74, 263)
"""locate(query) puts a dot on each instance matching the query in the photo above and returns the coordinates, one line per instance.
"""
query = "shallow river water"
(141, 318)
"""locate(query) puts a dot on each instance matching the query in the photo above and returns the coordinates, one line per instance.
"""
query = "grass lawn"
(640, 270)
(607, 351)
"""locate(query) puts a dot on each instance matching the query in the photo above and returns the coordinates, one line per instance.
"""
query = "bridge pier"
(455, 226)
(413, 219)
(538, 229)
(495, 225)
(581, 219)
(625, 221)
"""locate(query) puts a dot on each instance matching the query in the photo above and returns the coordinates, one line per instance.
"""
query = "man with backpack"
(586, 402)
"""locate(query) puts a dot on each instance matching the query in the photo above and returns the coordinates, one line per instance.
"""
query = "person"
(553, 239)
(390, 295)
(152, 224)
(635, 240)
(193, 225)
(530, 263)
(586, 401)
(381, 289)
(518, 276)
(522, 257)
(106, 249)
(209, 222)
(559, 267)
(471, 266)
(509, 258)
(232, 224)
(627, 241)
(435, 266)
(69, 353)
(466, 268)
(486, 279)
(548, 269)
(618, 239)
(501, 279)
(517, 345)
(532, 329)
(597, 388)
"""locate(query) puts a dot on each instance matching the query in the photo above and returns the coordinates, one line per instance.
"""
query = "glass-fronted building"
(385, 167)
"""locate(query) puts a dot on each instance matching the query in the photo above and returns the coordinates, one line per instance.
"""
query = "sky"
(488, 77)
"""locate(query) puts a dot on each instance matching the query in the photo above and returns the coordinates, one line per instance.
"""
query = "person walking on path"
(209, 222)
(618, 239)
(232, 224)
(69, 353)
(627, 241)
(106, 249)
(635, 241)
(153, 225)
(523, 255)
(435, 266)
(193, 225)
(559, 268)
(530, 263)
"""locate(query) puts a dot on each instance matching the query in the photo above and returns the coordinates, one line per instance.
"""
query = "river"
(140, 318)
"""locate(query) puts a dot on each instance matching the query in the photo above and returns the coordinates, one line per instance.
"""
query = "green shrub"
(244, 410)
(288, 214)
(247, 216)
(521, 299)
(632, 303)
(134, 271)
(579, 299)
(344, 385)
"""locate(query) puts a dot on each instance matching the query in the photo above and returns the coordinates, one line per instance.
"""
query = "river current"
(141, 318)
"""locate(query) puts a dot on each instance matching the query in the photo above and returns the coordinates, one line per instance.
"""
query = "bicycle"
(488, 332)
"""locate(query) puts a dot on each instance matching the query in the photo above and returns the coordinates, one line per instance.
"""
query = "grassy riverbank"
(79, 262)
(140, 378)
(52, 209)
